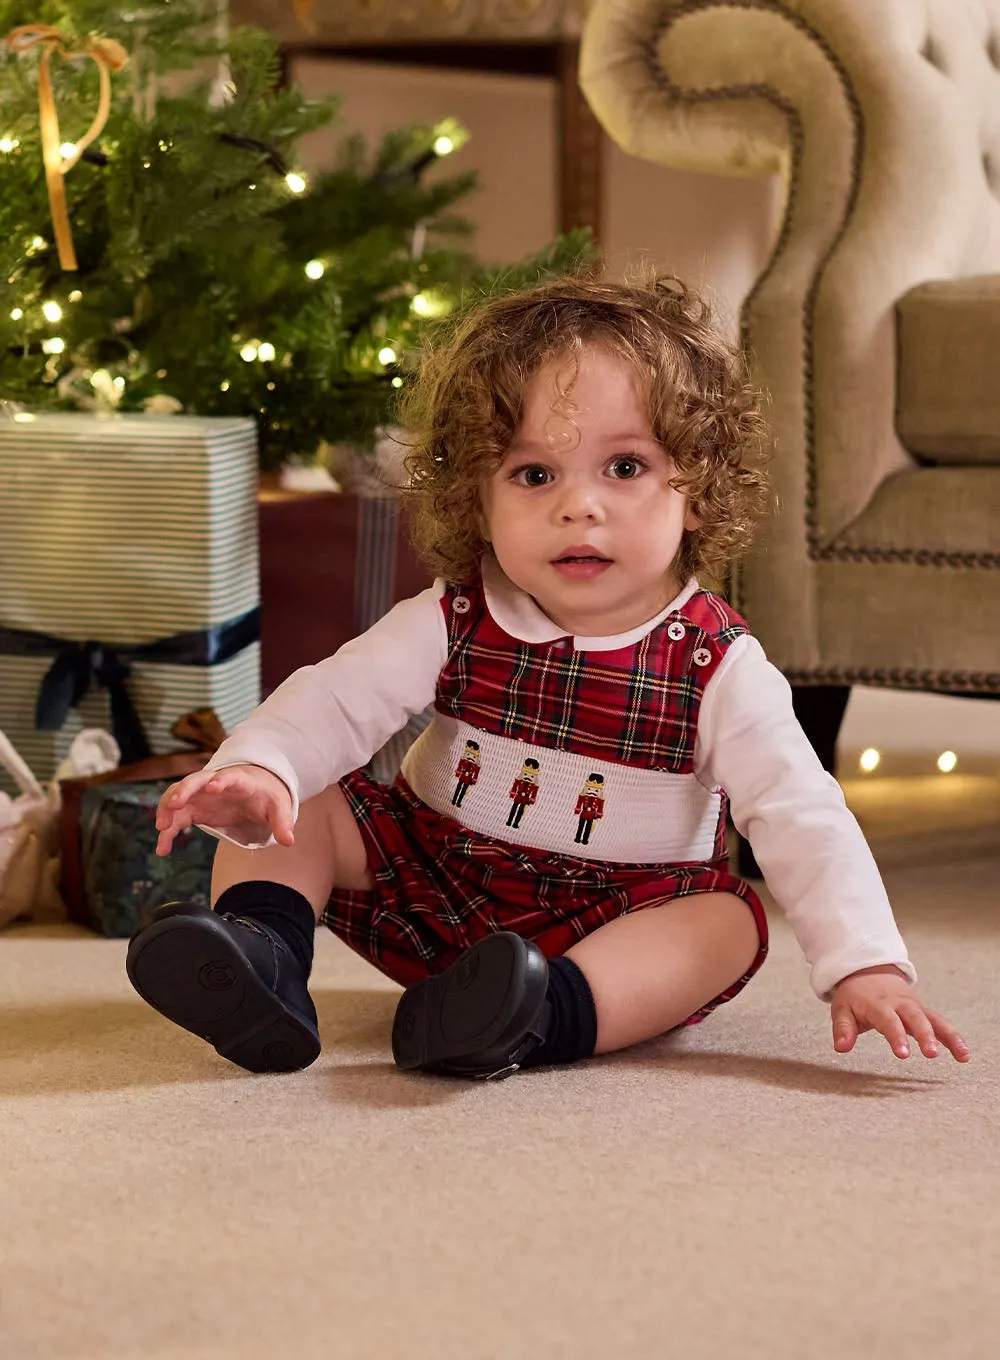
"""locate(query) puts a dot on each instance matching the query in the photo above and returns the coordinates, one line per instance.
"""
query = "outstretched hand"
(882, 999)
(244, 801)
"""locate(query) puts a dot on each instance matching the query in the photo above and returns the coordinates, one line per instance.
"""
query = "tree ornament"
(109, 56)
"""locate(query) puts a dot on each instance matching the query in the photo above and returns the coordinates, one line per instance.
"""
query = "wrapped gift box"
(332, 563)
(123, 880)
(111, 878)
(126, 541)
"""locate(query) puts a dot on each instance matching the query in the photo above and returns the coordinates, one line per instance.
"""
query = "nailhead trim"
(817, 551)
(943, 680)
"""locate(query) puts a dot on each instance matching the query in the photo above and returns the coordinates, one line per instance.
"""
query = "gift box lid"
(123, 427)
(127, 528)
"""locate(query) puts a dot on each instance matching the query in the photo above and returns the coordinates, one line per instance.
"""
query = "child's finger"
(166, 839)
(225, 780)
(283, 833)
(949, 1036)
(913, 1016)
(888, 1023)
(845, 1029)
(279, 819)
(176, 823)
(183, 792)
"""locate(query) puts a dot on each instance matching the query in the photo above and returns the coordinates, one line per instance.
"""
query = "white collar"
(519, 615)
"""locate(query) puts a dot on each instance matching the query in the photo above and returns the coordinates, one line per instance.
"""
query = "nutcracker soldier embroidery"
(466, 772)
(523, 791)
(589, 806)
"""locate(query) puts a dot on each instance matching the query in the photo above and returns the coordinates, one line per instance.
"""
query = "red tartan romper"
(439, 885)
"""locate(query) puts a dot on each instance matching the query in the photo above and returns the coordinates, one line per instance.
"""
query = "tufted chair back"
(883, 119)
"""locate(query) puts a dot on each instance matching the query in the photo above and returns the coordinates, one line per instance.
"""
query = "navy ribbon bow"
(78, 664)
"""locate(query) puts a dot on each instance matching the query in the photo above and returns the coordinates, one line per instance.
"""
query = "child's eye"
(626, 468)
(534, 475)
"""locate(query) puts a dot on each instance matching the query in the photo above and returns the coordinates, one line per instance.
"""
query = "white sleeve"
(331, 718)
(808, 844)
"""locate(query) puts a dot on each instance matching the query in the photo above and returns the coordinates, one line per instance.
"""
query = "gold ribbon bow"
(109, 56)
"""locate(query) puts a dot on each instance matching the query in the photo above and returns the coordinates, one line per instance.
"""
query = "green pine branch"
(193, 246)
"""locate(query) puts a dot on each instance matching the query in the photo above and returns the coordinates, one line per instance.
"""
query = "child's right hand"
(245, 801)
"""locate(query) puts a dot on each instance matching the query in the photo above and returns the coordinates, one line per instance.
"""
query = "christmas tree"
(196, 266)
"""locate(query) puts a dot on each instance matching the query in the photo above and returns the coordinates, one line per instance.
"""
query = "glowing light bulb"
(296, 183)
(248, 353)
(224, 386)
(387, 355)
(869, 759)
(315, 269)
(37, 243)
(68, 149)
(449, 136)
(397, 382)
(76, 295)
(119, 384)
(17, 313)
(54, 346)
(266, 352)
(947, 761)
(51, 311)
(8, 144)
(430, 305)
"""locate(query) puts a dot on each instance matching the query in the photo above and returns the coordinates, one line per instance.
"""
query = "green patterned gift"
(124, 880)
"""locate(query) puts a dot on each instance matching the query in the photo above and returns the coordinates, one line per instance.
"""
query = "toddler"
(547, 878)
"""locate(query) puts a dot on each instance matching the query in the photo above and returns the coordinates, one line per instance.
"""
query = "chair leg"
(820, 710)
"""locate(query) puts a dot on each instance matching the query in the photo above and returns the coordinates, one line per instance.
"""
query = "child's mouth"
(581, 566)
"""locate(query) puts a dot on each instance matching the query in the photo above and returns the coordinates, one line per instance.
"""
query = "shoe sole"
(189, 970)
(445, 1017)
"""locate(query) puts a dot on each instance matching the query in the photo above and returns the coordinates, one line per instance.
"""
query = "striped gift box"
(137, 536)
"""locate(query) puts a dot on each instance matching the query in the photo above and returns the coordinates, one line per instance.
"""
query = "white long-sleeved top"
(329, 719)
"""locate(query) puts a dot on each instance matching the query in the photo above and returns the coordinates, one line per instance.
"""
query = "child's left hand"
(882, 999)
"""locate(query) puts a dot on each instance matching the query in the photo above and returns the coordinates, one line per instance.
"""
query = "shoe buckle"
(529, 1042)
(502, 1072)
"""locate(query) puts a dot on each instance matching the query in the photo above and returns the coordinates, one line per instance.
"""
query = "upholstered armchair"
(874, 328)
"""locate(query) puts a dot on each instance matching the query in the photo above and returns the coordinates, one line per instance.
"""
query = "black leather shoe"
(229, 980)
(480, 1017)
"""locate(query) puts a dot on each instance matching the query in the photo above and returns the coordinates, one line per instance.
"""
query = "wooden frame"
(579, 135)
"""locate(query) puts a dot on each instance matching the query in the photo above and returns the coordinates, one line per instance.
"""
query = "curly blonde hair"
(466, 405)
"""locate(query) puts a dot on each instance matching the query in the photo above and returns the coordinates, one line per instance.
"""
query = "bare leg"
(328, 852)
(650, 970)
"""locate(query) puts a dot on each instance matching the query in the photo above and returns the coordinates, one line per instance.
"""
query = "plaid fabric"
(636, 706)
(439, 888)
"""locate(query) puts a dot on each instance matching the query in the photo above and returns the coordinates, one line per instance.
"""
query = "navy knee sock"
(572, 1027)
(282, 909)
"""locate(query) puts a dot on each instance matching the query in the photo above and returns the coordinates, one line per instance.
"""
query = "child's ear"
(691, 520)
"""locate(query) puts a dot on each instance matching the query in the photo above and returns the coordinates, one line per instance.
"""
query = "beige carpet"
(740, 1191)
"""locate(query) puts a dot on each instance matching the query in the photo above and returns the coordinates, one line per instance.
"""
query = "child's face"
(581, 513)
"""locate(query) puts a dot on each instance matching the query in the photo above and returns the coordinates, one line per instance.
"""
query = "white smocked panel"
(647, 816)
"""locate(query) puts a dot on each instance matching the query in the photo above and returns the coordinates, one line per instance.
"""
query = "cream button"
(702, 657)
(461, 604)
(675, 631)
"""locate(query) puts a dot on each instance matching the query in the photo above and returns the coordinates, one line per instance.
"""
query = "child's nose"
(580, 500)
